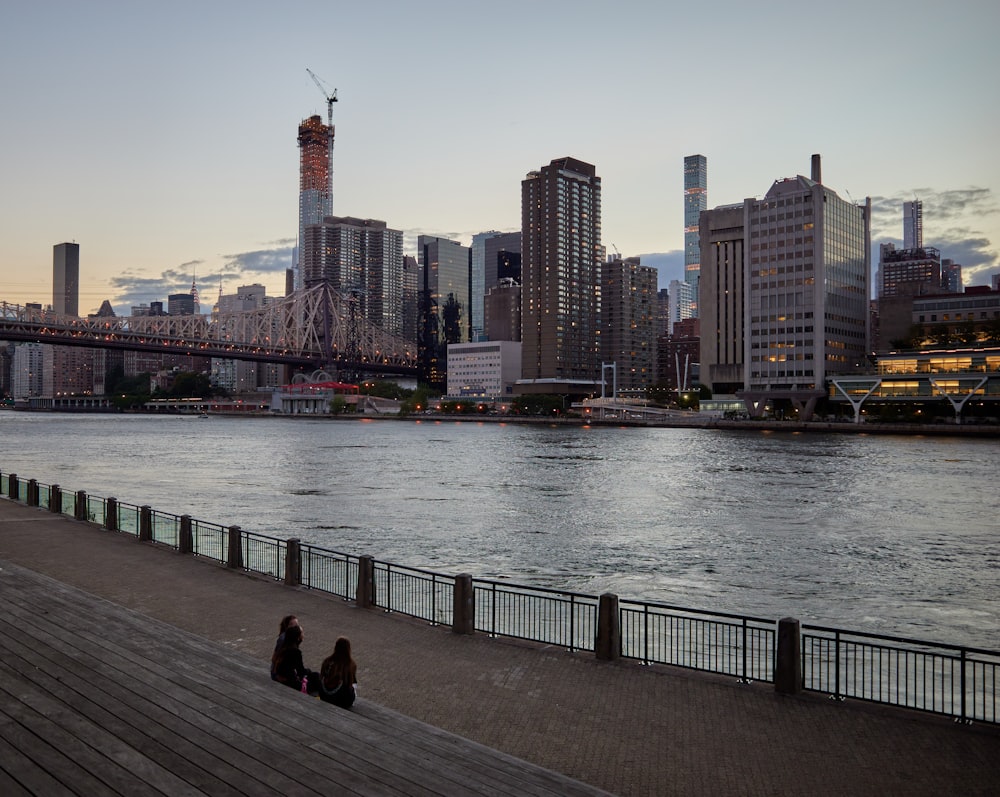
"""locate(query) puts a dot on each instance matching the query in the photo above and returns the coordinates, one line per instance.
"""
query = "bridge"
(313, 328)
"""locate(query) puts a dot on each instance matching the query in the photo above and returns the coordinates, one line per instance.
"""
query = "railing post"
(32, 492)
(608, 645)
(365, 595)
(293, 562)
(12, 491)
(185, 539)
(464, 606)
(788, 657)
(55, 499)
(80, 507)
(235, 558)
(145, 523)
(111, 514)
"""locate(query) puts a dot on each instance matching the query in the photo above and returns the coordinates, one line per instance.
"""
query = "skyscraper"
(66, 279)
(913, 224)
(695, 201)
(561, 261)
(492, 252)
(807, 276)
(360, 257)
(444, 301)
(721, 290)
(315, 181)
(628, 320)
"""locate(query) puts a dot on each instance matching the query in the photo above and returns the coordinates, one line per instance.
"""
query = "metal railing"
(566, 619)
(943, 679)
(418, 593)
(728, 644)
(956, 681)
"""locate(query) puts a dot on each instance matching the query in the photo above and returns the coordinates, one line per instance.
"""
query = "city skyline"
(174, 156)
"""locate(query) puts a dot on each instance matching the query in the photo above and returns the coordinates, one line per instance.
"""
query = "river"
(892, 535)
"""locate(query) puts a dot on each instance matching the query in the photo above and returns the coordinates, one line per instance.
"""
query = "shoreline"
(986, 431)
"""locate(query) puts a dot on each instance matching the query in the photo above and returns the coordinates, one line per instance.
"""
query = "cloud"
(950, 225)
(243, 268)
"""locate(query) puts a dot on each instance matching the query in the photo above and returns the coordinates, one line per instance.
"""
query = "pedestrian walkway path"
(621, 727)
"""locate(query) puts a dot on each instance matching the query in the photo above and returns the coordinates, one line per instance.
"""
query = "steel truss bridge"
(314, 328)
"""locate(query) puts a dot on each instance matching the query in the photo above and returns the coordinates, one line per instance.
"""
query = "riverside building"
(807, 272)
(628, 319)
(561, 289)
(695, 201)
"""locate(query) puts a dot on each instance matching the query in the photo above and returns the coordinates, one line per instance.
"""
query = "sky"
(161, 137)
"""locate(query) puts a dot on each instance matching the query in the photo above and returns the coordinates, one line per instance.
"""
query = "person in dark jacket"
(286, 621)
(339, 675)
(287, 663)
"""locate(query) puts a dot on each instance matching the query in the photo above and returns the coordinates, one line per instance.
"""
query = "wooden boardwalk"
(98, 700)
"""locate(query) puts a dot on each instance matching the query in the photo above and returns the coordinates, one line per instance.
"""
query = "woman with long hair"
(339, 675)
(286, 621)
(287, 660)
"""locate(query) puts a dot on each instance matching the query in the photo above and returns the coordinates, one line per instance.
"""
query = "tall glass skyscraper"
(315, 182)
(444, 301)
(913, 224)
(695, 201)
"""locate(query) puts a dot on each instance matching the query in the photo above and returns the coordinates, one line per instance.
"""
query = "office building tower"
(66, 279)
(951, 276)
(628, 321)
(242, 376)
(807, 276)
(362, 259)
(315, 181)
(180, 304)
(680, 303)
(721, 289)
(560, 262)
(695, 201)
(908, 272)
(445, 301)
(495, 255)
(411, 298)
(502, 315)
(913, 225)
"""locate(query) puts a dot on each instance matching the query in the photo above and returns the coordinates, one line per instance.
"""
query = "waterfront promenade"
(621, 727)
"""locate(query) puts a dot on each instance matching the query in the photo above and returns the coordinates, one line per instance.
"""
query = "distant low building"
(484, 370)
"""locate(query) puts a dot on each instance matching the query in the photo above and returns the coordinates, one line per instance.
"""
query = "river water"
(892, 535)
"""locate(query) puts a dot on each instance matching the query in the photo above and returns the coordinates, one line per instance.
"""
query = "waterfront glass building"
(695, 201)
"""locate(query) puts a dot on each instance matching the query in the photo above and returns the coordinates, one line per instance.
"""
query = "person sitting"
(289, 668)
(339, 675)
(286, 621)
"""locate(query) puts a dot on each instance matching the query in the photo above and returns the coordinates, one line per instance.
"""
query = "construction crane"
(331, 98)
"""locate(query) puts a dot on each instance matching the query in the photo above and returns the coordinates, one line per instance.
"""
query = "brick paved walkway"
(629, 729)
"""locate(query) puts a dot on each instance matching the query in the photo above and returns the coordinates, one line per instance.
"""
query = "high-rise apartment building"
(913, 224)
(315, 181)
(242, 376)
(908, 272)
(695, 201)
(502, 315)
(722, 236)
(26, 370)
(561, 261)
(807, 276)
(628, 320)
(362, 259)
(66, 279)
(411, 298)
(445, 302)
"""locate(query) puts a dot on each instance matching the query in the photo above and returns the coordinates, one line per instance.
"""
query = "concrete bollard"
(12, 491)
(608, 645)
(464, 606)
(55, 499)
(788, 657)
(235, 557)
(293, 562)
(185, 539)
(80, 507)
(145, 523)
(32, 492)
(365, 595)
(111, 514)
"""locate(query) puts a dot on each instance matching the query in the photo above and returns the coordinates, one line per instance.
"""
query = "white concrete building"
(486, 370)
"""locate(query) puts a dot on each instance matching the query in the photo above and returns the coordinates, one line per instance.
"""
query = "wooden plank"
(201, 710)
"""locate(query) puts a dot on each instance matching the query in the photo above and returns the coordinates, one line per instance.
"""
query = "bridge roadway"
(621, 727)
